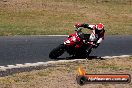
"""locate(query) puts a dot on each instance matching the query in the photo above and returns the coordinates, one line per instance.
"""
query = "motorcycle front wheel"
(56, 52)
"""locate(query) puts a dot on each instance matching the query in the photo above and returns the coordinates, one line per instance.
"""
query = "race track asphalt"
(32, 49)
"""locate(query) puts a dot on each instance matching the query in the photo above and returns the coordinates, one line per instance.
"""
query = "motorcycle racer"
(79, 44)
(97, 32)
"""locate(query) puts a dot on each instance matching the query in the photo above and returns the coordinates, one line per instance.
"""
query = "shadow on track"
(72, 58)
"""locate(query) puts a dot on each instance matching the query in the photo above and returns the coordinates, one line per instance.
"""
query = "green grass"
(42, 17)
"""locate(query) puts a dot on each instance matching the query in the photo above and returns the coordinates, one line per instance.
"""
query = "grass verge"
(63, 75)
(42, 17)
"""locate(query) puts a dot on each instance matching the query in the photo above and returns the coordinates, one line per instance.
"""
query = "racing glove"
(78, 25)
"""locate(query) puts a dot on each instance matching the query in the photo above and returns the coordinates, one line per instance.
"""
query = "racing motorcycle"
(76, 45)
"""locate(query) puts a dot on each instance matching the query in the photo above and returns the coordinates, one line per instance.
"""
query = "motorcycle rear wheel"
(56, 52)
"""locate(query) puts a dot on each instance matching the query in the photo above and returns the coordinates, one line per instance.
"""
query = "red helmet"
(100, 26)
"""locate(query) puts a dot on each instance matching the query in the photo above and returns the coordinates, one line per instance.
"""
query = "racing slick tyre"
(56, 52)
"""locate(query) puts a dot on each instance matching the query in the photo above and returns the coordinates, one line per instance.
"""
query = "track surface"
(31, 49)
